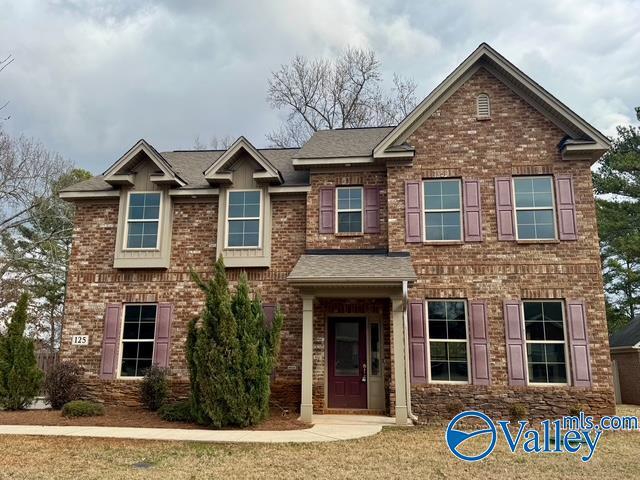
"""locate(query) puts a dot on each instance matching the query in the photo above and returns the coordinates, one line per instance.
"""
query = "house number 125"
(81, 340)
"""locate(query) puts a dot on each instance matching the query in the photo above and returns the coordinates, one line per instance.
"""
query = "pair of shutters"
(111, 338)
(162, 341)
(471, 211)
(478, 343)
(565, 207)
(515, 342)
(577, 339)
(371, 210)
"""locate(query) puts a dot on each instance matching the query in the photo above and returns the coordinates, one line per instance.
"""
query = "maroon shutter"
(516, 347)
(504, 209)
(579, 343)
(162, 347)
(327, 209)
(566, 205)
(110, 342)
(472, 211)
(269, 311)
(413, 212)
(418, 343)
(371, 210)
(480, 374)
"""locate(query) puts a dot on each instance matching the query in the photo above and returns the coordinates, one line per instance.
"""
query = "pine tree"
(20, 377)
(230, 353)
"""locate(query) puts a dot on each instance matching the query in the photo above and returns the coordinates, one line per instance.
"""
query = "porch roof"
(340, 269)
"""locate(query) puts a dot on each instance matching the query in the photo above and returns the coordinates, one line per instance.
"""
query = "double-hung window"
(138, 334)
(447, 324)
(545, 337)
(243, 218)
(535, 217)
(442, 210)
(143, 220)
(349, 209)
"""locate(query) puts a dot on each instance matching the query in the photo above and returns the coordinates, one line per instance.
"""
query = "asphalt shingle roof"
(348, 142)
(335, 268)
(628, 336)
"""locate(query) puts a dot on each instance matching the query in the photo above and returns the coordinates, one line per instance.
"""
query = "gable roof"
(216, 172)
(486, 57)
(190, 165)
(628, 337)
(118, 174)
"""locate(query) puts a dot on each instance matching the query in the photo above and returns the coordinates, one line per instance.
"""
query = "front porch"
(354, 350)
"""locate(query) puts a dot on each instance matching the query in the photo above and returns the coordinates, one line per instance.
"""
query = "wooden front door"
(347, 362)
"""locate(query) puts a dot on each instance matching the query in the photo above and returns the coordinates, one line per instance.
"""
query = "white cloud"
(93, 76)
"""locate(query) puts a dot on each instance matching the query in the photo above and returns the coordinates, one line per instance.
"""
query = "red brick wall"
(517, 140)
(93, 282)
(629, 375)
(345, 177)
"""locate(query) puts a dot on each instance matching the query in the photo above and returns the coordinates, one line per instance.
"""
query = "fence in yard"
(46, 359)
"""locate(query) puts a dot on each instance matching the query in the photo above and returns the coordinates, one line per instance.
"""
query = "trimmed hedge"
(176, 412)
(82, 408)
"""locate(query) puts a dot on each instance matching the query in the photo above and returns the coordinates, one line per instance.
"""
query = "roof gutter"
(405, 319)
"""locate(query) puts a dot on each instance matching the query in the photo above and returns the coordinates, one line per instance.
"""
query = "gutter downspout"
(405, 318)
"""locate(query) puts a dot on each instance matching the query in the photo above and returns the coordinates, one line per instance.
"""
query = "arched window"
(483, 106)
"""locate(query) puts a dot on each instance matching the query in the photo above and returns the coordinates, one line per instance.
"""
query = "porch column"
(306, 407)
(397, 318)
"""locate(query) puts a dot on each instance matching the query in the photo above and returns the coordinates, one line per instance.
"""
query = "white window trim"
(341, 210)
(565, 342)
(443, 210)
(466, 322)
(125, 240)
(552, 208)
(122, 340)
(259, 218)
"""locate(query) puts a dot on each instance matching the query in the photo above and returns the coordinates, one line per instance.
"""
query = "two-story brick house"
(449, 260)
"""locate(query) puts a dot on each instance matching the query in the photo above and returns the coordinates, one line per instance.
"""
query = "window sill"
(346, 234)
(444, 243)
(483, 119)
(534, 242)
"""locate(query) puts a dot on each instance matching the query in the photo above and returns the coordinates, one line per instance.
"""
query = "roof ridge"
(225, 149)
(356, 128)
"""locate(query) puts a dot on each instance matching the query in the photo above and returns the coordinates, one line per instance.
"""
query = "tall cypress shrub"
(20, 377)
(231, 353)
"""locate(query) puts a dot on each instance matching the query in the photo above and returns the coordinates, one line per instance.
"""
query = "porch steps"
(355, 411)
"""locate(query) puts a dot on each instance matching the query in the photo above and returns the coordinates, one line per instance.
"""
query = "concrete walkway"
(326, 428)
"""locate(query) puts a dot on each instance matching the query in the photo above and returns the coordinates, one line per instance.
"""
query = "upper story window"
(243, 217)
(138, 334)
(349, 209)
(535, 219)
(442, 210)
(143, 220)
(483, 106)
(546, 348)
(448, 359)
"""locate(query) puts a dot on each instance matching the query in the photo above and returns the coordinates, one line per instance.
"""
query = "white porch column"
(306, 407)
(400, 375)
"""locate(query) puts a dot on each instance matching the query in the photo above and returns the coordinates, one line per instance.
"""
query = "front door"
(347, 362)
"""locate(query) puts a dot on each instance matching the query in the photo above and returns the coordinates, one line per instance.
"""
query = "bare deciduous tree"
(4, 64)
(340, 93)
(26, 170)
(215, 143)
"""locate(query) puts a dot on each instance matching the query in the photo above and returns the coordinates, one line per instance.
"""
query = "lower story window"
(138, 333)
(447, 321)
(544, 327)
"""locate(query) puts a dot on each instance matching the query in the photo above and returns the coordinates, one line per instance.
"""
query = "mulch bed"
(133, 417)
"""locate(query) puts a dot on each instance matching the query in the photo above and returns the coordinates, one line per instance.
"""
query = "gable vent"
(483, 107)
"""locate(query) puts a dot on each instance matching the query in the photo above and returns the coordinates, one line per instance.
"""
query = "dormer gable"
(122, 172)
(221, 171)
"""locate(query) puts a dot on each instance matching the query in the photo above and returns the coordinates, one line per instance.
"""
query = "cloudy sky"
(90, 77)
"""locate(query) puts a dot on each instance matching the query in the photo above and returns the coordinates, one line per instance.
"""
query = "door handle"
(364, 373)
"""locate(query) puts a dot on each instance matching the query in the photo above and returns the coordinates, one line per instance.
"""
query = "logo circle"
(456, 437)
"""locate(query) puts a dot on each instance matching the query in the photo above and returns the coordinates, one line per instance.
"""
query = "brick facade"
(628, 364)
(516, 140)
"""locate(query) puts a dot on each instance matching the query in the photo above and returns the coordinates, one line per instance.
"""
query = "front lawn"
(418, 452)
